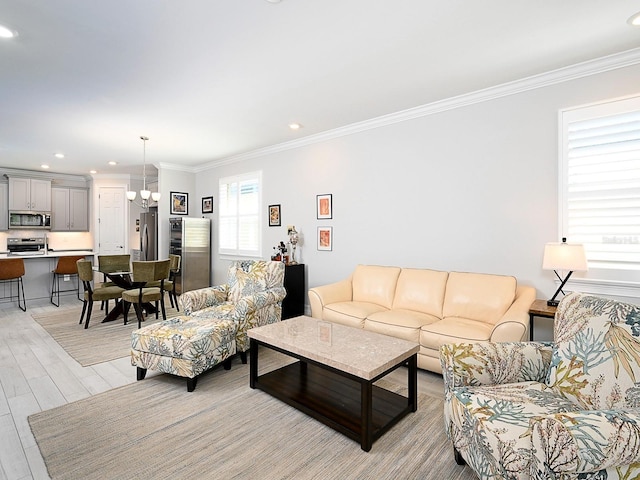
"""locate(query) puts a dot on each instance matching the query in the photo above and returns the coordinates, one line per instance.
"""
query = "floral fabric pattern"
(182, 346)
(251, 297)
(567, 410)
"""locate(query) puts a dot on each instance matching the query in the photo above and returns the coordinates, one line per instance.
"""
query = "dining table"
(120, 275)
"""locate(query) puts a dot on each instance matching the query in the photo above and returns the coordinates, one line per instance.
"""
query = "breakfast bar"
(38, 267)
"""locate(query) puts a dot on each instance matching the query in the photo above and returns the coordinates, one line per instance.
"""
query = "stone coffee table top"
(353, 350)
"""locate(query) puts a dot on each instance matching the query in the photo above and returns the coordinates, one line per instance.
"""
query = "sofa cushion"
(399, 323)
(351, 314)
(478, 296)
(375, 284)
(454, 330)
(600, 378)
(421, 290)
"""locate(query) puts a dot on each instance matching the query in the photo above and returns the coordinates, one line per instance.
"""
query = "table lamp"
(563, 256)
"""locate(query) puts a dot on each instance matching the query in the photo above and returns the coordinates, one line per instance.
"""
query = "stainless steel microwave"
(30, 220)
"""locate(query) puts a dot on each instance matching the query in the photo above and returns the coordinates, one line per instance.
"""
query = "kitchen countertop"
(49, 254)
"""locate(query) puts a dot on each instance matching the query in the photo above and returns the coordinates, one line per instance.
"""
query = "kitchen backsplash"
(55, 240)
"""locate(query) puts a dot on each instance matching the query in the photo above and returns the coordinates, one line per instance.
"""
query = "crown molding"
(553, 77)
(175, 166)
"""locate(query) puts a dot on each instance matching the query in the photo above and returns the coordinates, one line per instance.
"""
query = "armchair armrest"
(195, 300)
(515, 322)
(250, 303)
(585, 441)
(323, 295)
(488, 363)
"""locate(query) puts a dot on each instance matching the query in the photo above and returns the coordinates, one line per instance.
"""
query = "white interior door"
(111, 221)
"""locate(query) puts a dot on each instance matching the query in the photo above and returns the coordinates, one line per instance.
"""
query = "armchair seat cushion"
(502, 414)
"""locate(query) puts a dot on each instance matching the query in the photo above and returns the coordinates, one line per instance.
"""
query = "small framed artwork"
(179, 203)
(274, 215)
(325, 238)
(324, 206)
(207, 204)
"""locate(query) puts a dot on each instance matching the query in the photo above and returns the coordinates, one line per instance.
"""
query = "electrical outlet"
(66, 278)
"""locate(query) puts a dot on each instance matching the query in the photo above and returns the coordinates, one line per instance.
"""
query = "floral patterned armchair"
(251, 297)
(563, 410)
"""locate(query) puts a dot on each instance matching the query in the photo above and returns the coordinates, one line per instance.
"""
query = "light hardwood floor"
(37, 374)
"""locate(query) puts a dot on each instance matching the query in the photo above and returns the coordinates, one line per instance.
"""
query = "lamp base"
(553, 303)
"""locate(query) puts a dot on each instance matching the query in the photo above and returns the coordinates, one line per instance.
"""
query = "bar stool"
(12, 270)
(65, 266)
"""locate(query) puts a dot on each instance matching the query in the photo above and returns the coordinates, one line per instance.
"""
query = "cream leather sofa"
(429, 307)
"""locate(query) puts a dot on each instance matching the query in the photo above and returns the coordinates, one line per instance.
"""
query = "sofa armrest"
(514, 324)
(488, 363)
(195, 300)
(585, 441)
(326, 294)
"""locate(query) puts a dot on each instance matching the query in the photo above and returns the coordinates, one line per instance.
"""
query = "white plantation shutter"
(239, 223)
(600, 185)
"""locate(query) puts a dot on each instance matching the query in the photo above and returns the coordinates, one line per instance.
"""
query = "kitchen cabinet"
(4, 206)
(70, 210)
(29, 194)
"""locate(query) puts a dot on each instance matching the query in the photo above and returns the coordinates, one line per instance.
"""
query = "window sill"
(629, 291)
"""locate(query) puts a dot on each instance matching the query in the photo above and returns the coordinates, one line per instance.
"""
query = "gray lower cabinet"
(69, 209)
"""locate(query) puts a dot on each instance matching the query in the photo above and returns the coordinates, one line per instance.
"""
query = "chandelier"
(144, 193)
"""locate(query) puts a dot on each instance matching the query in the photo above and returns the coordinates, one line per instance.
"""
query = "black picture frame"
(275, 219)
(324, 206)
(179, 203)
(207, 204)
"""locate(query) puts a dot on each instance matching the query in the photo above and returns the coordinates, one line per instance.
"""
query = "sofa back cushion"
(478, 296)
(421, 290)
(596, 355)
(375, 284)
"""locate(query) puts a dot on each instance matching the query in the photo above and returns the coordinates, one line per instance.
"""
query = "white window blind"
(239, 230)
(600, 186)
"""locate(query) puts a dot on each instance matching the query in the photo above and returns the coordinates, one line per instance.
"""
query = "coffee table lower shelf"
(339, 400)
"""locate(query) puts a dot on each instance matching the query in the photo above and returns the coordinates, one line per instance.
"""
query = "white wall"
(469, 189)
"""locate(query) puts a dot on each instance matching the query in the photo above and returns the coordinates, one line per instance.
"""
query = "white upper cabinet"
(29, 194)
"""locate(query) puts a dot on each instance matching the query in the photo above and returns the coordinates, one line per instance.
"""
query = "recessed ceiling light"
(295, 126)
(59, 155)
(113, 162)
(93, 171)
(274, 1)
(634, 20)
(5, 32)
(44, 165)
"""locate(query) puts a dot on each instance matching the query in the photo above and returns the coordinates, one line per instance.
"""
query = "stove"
(26, 246)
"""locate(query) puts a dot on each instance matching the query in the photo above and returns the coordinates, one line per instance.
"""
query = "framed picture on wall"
(274, 216)
(324, 206)
(179, 203)
(325, 238)
(207, 204)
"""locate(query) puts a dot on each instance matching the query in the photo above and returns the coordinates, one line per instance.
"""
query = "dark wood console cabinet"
(294, 284)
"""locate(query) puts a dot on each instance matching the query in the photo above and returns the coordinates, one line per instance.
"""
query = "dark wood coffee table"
(333, 381)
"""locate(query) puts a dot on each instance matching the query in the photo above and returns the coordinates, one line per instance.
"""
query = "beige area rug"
(155, 429)
(101, 342)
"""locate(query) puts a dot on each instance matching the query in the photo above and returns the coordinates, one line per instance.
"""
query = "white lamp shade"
(145, 194)
(155, 196)
(564, 256)
(131, 195)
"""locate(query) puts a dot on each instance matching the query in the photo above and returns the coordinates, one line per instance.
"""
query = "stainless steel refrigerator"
(149, 234)
(191, 239)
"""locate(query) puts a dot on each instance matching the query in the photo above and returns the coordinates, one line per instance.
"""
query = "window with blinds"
(600, 186)
(239, 229)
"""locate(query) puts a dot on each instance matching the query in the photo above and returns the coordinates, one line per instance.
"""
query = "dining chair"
(112, 263)
(98, 294)
(66, 267)
(170, 283)
(12, 270)
(144, 272)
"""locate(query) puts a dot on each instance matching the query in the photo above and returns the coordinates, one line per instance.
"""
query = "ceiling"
(209, 79)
